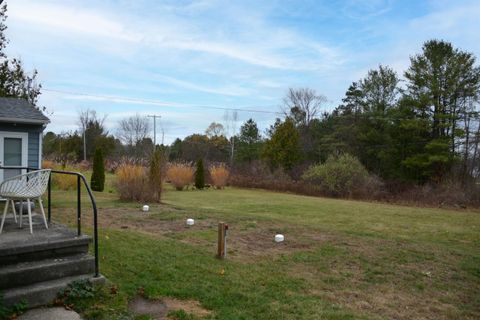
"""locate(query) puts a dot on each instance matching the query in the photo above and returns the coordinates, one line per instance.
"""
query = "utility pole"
(154, 129)
(84, 144)
(234, 127)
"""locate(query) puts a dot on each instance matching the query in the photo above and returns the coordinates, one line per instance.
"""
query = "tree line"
(422, 128)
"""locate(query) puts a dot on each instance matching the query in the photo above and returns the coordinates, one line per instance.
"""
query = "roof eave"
(24, 121)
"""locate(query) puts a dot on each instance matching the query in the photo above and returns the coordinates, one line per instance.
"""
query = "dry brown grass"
(219, 175)
(48, 164)
(62, 181)
(131, 182)
(180, 175)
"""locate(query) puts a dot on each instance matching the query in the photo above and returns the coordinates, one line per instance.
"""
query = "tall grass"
(62, 181)
(132, 182)
(180, 175)
(219, 175)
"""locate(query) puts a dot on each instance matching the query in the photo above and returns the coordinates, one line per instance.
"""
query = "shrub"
(180, 175)
(48, 164)
(97, 181)
(219, 175)
(156, 175)
(200, 175)
(62, 181)
(339, 176)
(131, 182)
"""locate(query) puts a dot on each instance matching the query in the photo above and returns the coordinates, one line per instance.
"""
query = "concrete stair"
(41, 293)
(36, 267)
(43, 249)
(25, 273)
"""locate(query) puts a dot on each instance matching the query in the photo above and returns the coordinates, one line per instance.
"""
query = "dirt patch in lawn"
(244, 244)
(156, 223)
(156, 309)
(252, 244)
(159, 309)
(189, 306)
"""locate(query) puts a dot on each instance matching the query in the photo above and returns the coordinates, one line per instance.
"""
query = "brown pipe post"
(221, 240)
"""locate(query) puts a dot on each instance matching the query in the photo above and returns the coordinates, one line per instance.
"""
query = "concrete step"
(40, 293)
(43, 249)
(26, 273)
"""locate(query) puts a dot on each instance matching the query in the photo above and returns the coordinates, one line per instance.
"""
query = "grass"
(341, 259)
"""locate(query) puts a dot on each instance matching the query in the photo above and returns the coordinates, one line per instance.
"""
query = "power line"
(158, 102)
(184, 105)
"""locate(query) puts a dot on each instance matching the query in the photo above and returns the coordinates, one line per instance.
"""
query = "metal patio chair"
(29, 186)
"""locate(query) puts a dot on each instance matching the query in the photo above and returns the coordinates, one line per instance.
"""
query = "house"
(35, 267)
(21, 127)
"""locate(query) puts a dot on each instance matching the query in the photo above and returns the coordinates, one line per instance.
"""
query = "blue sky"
(169, 57)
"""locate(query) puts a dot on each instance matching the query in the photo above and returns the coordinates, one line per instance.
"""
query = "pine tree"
(248, 142)
(200, 175)
(283, 148)
(97, 183)
(441, 81)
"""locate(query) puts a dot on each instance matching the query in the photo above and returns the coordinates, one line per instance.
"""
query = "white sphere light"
(145, 208)
(190, 222)
(279, 238)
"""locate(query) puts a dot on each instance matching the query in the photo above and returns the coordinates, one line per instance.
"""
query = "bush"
(132, 182)
(219, 175)
(446, 194)
(180, 175)
(48, 164)
(135, 182)
(156, 175)
(62, 181)
(97, 182)
(200, 175)
(339, 176)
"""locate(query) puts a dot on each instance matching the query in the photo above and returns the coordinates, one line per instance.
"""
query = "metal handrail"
(80, 178)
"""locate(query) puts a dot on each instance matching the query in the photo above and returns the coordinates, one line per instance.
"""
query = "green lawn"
(341, 259)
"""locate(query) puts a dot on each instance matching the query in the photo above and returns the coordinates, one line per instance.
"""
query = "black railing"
(80, 178)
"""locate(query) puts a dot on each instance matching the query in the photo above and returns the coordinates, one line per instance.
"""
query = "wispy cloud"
(68, 19)
(366, 9)
(269, 47)
(171, 56)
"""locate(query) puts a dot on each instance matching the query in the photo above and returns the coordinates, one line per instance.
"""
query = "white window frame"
(17, 135)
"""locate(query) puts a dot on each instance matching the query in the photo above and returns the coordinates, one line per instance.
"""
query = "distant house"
(21, 127)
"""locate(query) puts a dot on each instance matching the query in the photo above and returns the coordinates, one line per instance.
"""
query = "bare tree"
(215, 129)
(303, 105)
(87, 117)
(133, 129)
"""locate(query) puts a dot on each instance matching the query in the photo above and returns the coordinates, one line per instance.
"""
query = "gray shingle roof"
(20, 110)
